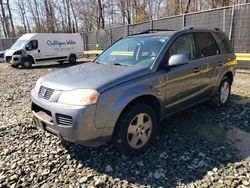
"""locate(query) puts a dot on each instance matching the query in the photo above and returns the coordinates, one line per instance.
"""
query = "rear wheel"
(72, 58)
(135, 129)
(222, 95)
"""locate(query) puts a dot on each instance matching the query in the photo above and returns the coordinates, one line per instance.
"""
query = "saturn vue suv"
(127, 90)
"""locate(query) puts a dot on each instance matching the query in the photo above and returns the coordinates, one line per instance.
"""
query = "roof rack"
(151, 31)
(187, 27)
(155, 30)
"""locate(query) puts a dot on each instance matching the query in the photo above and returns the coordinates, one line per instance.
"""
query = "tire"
(27, 62)
(222, 95)
(72, 58)
(132, 137)
(14, 66)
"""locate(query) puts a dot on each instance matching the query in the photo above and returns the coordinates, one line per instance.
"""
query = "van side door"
(183, 83)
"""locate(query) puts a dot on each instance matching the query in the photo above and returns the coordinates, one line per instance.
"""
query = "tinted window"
(184, 45)
(206, 44)
(225, 42)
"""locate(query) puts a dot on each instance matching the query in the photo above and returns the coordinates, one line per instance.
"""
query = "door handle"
(196, 69)
(38, 51)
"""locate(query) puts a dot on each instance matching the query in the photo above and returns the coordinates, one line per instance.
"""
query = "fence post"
(96, 35)
(151, 24)
(231, 24)
(111, 36)
(183, 20)
(224, 20)
(128, 30)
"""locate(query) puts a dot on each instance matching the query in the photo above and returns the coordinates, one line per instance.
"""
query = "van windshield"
(136, 50)
(19, 44)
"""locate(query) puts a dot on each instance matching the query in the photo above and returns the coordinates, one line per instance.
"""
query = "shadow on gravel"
(190, 144)
(54, 65)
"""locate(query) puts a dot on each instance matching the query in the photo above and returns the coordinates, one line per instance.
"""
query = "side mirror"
(28, 48)
(178, 59)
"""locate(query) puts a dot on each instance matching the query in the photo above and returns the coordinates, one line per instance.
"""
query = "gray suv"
(139, 80)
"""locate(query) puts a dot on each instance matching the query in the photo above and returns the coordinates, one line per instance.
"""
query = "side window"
(183, 45)
(206, 45)
(32, 45)
(225, 42)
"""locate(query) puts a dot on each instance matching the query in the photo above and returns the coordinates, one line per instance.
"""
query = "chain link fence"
(233, 20)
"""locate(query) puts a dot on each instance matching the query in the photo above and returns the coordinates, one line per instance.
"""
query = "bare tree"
(5, 20)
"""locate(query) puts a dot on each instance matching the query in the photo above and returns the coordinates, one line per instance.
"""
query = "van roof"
(30, 35)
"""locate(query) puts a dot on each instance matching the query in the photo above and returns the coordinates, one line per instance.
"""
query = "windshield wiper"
(116, 63)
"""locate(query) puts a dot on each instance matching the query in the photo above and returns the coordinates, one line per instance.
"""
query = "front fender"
(112, 103)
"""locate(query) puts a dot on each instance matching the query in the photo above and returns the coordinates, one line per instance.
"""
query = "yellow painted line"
(122, 53)
(243, 56)
(92, 52)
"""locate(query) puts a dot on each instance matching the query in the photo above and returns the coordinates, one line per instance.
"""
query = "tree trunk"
(68, 15)
(11, 20)
(5, 19)
(74, 14)
(176, 7)
(100, 17)
(3, 25)
(187, 6)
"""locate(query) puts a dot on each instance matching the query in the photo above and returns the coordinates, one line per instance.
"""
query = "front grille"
(8, 59)
(45, 92)
(64, 120)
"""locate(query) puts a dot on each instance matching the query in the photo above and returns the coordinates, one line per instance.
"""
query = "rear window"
(225, 42)
(206, 44)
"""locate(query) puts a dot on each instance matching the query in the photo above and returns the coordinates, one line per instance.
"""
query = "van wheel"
(222, 95)
(27, 63)
(135, 129)
(72, 58)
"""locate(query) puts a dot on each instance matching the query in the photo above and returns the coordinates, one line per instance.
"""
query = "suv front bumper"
(70, 123)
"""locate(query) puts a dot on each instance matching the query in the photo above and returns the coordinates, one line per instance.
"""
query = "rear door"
(210, 54)
(184, 83)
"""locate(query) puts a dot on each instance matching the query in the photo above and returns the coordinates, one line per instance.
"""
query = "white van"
(40, 47)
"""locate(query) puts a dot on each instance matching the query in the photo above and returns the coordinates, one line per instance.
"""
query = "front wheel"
(135, 129)
(222, 95)
(27, 63)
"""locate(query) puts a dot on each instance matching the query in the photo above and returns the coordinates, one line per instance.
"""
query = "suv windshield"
(19, 44)
(139, 50)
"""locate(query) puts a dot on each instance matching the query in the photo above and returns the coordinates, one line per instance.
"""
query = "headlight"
(38, 84)
(79, 97)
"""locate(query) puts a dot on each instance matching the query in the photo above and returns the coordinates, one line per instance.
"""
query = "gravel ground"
(200, 147)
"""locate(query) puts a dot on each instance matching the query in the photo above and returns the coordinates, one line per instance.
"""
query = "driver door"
(32, 49)
(184, 83)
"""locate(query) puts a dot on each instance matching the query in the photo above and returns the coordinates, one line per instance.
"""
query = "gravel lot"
(200, 147)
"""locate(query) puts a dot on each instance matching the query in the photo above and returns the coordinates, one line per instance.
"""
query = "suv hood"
(92, 76)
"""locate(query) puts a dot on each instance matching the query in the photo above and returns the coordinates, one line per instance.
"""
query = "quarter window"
(206, 45)
(184, 45)
(225, 42)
